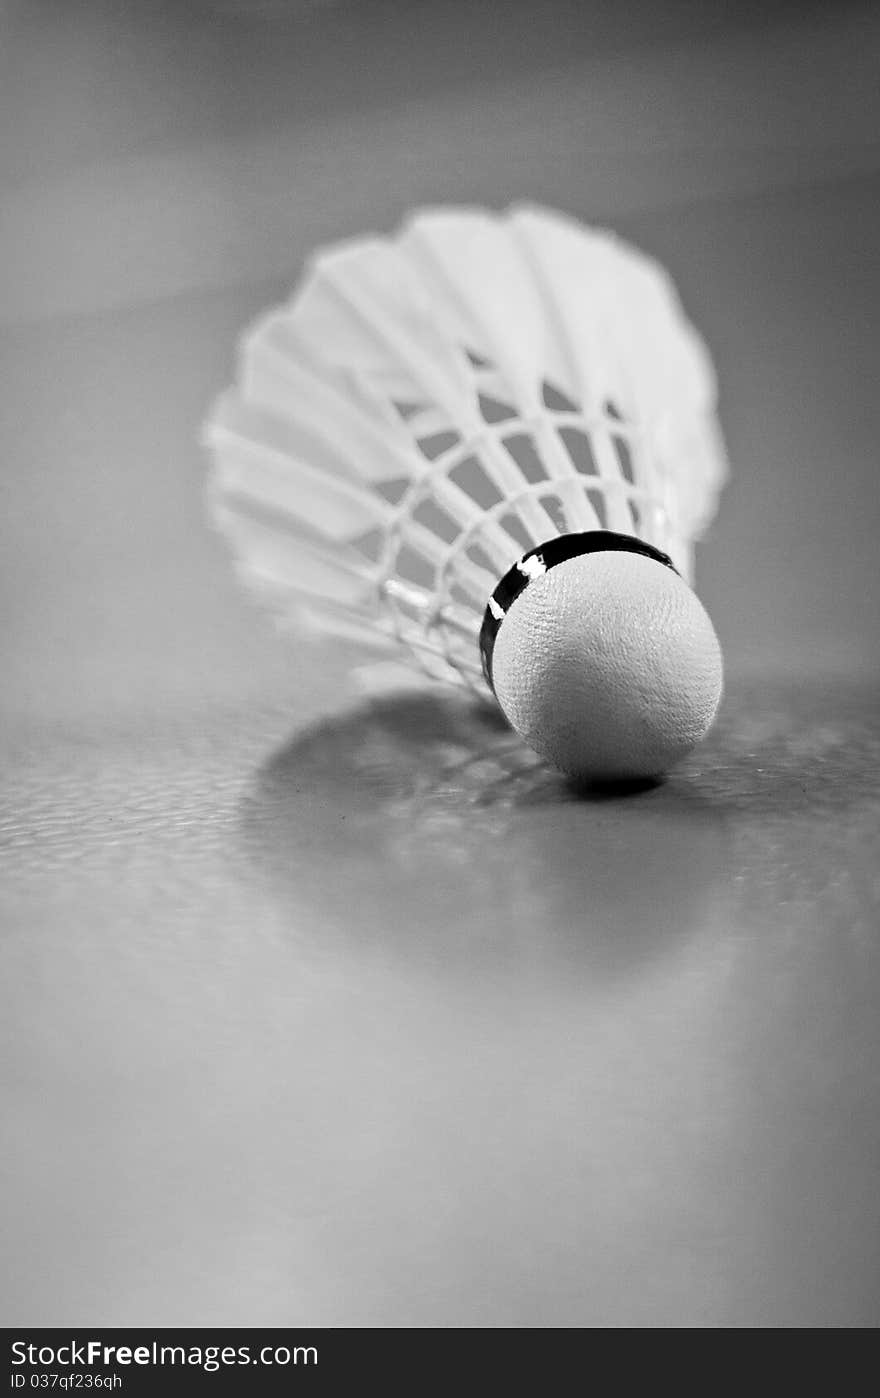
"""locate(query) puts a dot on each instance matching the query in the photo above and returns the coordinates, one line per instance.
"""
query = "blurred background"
(372, 1022)
(165, 169)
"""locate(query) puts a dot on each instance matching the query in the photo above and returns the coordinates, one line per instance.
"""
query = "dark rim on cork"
(539, 561)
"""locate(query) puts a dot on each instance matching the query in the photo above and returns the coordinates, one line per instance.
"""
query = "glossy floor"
(380, 1023)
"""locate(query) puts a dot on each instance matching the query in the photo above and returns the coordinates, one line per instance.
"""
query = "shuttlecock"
(490, 440)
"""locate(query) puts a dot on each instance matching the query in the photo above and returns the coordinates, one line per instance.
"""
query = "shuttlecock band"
(539, 561)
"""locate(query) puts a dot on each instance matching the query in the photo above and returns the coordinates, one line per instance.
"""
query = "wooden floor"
(319, 1010)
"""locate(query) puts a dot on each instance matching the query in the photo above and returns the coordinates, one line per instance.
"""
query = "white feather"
(428, 407)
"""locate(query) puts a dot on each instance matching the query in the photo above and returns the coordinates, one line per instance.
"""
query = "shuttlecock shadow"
(420, 827)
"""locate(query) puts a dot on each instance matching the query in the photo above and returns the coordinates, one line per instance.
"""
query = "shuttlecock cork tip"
(608, 666)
